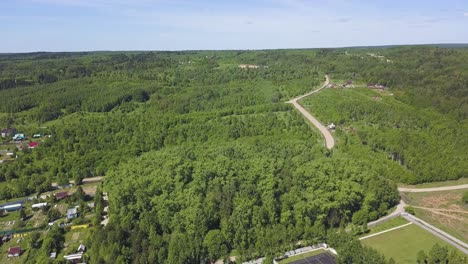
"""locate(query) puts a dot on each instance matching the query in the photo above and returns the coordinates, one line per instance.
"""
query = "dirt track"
(435, 189)
(329, 141)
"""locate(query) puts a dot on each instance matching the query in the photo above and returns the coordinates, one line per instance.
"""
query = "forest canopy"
(203, 158)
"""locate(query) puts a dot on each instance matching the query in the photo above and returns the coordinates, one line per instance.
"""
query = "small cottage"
(14, 252)
(19, 137)
(61, 195)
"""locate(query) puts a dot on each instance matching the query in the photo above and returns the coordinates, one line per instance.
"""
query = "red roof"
(61, 195)
(33, 145)
(14, 250)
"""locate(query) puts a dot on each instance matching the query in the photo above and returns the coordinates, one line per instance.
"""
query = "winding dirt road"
(329, 141)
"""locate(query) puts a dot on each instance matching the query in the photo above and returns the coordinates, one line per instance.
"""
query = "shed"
(37, 135)
(81, 248)
(14, 252)
(61, 195)
(12, 207)
(74, 258)
(39, 205)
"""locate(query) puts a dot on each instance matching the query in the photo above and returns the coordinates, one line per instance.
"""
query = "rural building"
(376, 86)
(74, 258)
(19, 137)
(38, 205)
(33, 145)
(72, 213)
(332, 126)
(8, 132)
(248, 66)
(61, 195)
(12, 207)
(53, 255)
(14, 252)
(37, 135)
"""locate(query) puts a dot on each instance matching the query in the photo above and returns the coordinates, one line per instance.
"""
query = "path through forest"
(329, 141)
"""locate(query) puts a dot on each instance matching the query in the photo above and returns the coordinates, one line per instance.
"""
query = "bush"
(465, 197)
(410, 210)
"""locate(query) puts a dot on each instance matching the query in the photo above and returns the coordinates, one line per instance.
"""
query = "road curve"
(398, 210)
(329, 141)
(435, 189)
(462, 246)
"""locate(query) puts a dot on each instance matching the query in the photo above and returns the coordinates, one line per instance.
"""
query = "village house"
(8, 132)
(332, 126)
(72, 213)
(61, 195)
(376, 86)
(74, 258)
(19, 136)
(14, 252)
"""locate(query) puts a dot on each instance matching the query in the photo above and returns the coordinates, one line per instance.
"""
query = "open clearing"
(398, 221)
(443, 210)
(403, 244)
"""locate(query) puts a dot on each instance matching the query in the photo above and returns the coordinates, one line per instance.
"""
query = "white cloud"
(466, 14)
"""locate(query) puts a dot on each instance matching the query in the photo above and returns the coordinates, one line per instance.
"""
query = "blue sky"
(84, 25)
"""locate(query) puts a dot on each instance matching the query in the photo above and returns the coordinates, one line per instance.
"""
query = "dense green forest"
(204, 159)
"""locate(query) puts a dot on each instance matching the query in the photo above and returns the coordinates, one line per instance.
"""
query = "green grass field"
(398, 221)
(452, 219)
(302, 256)
(11, 216)
(403, 244)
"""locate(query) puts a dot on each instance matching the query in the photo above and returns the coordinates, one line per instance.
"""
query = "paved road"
(401, 206)
(437, 232)
(399, 209)
(329, 141)
(435, 189)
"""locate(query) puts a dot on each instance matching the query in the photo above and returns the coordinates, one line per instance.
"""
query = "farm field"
(441, 209)
(403, 244)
